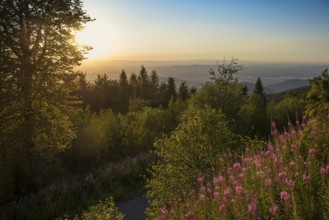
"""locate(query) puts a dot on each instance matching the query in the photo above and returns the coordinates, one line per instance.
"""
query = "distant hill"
(281, 87)
(288, 85)
(251, 87)
(276, 97)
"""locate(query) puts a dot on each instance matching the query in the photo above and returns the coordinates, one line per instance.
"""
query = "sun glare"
(99, 36)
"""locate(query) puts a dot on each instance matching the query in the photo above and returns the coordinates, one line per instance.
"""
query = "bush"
(191, 150)
(98, 140)
(142, 128)
(105, 210)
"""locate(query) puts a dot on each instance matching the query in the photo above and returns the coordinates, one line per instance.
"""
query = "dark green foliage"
(298, 93)
(134, 84)
(74, 194)
(192, 149)
(155, 79)
(259, 87)
(183, 92)
(142, 128)
(124, 91)
(289, 109)
(252, 117)
(224, 97)
(98, 139)
(123, 81)
(37, 82)
(318, 95)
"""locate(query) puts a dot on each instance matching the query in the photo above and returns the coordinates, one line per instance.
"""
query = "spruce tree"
(259, 119)
(183, 92)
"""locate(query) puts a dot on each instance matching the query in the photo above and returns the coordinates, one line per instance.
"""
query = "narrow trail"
(134, 209)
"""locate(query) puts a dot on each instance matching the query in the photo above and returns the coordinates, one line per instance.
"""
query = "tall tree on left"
(37, 55)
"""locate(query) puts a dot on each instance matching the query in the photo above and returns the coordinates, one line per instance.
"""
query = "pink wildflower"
(293, 147)
(305, 178)
(164, 213)
(313, 133)
(292, 163)
(274, 130)
(237, 166)
(239, 190)
(203, 189)
(282, 174)
(200, 180)
(323, 170)
(222, 208)
(218, 180)
(270, 146)
(274, 209)
(284, 196)
(290, 183)
(227, 191)
(190, 214)
(252, 207)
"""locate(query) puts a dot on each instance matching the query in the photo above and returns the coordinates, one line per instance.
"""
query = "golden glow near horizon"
(173, 30)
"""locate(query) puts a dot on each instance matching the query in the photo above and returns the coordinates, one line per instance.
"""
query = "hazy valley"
(276, 77)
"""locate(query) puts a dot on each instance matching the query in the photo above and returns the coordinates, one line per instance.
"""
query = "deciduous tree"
(37, 56)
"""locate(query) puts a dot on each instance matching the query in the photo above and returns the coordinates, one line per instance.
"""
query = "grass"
(74, 195)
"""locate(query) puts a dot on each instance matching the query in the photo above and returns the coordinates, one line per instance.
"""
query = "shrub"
(105, 210)
(192, 149)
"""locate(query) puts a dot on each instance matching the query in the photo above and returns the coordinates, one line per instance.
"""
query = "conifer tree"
(154, 78)
(258, 101)
(123, 79)
(133, 84)
(123, 100)
(183, 92)
(171, 89)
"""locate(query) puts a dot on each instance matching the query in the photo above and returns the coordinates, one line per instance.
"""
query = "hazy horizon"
(294, 31)
(196, 72)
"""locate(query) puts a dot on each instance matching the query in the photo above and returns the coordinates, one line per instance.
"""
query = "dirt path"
(134, 209)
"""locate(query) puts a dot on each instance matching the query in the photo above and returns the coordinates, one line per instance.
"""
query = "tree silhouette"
(37, 56)
(183, 92)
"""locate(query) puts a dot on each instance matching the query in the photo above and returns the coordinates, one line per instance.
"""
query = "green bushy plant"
(105, 210)
(193, 148)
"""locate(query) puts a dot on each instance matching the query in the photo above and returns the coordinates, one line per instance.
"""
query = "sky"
(263, 30)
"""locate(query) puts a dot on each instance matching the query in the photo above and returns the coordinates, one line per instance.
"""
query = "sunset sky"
(266, 30)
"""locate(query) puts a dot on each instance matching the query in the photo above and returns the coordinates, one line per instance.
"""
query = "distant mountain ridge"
(280, 86)
(276, 77)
